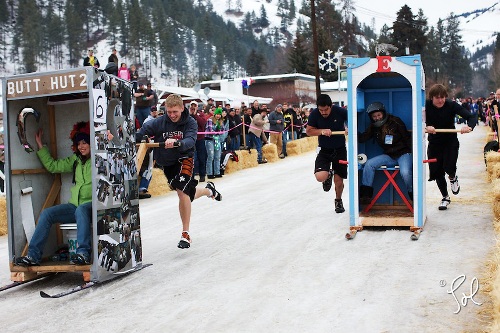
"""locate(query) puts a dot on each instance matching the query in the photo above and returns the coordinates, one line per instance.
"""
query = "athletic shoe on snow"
(339, 206)
(455, 187)
(327, 184)
(215, 194)
(444, 203)
(185, 241)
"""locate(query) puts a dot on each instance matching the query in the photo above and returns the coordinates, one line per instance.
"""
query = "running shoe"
(455, 186)
(185, 241)
(215, 194)
(327, 184)
(444, 203)
(339, 206)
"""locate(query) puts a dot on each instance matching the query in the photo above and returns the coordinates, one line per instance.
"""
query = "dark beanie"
(81, 136)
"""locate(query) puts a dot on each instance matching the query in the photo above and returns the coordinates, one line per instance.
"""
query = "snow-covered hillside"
(247, 6)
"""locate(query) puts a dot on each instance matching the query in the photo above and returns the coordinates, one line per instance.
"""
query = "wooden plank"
(52, 267)
(86, 276)
(22, 276)
(141, 152)
(385, 208)
(373, 221)
(36, 84)
(28, 171)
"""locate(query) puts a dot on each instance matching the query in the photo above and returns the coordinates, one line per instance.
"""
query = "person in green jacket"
(79, 207)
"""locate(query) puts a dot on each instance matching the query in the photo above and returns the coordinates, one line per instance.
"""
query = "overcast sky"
(386, 13)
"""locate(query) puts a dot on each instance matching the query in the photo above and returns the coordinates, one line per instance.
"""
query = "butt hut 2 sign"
(47, 84)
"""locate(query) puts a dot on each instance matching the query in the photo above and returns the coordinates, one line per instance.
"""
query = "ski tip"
(44, 294)
(414, 237)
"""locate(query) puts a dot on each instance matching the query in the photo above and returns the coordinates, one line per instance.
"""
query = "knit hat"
(80, 131)
(279, 106)
(218, 111)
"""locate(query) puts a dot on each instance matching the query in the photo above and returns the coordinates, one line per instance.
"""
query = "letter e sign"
(384, 63)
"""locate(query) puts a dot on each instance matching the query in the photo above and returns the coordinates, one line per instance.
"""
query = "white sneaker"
(444, 203)
(455, 186)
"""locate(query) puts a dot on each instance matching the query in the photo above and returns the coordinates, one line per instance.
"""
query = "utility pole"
(315, 47)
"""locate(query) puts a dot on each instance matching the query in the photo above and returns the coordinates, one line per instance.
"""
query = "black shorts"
(180, 176)
(446, 156)
(329, 159)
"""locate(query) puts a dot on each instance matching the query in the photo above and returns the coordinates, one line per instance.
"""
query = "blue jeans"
(234, 143)
(284, 139)
(141, 113)
(64, 213)
(200, 158)
(405, 168)
(248, 141)
(144, 183)
(213, 158)
(258, 145)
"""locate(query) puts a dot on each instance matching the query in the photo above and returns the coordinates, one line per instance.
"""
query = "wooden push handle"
(447, 130)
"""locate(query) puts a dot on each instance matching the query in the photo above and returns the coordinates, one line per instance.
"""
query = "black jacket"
(444, 118)
(393, 131)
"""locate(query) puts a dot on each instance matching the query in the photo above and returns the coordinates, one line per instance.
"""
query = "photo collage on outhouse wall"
(118, 226)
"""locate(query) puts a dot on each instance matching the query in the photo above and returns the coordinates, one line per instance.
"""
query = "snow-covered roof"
(334, 85)
(268, 78)
(217, 95)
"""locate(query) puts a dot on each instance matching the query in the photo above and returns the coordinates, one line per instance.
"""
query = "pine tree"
(256, 63)
(238, 6)
(246, 24)
(54, 38)
(4, 18)
(495, 69)
(432, 57)
(29, 27)
(305, 8)
(113, 26)
(298, 58)
(136, 22)
(75, 34)
(263, 22)
(292, 13)
(454, 59)
(120, 18)
(348, 41)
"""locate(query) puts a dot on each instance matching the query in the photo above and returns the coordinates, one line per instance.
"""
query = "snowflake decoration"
(182, 179)
(330, 61)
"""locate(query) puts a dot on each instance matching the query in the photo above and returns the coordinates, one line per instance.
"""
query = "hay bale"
(311, 143)
(159, 185)
(270, 152)
(494, 172)
(247, 159)
(233, 166)
(492, 157)
(300, 146)
(293, 148)
(495, 186)
(496, 210)
(492, 160)
(3, 216)
(489, 290)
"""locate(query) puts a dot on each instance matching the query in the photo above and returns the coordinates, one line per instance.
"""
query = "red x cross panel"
(390, 180)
